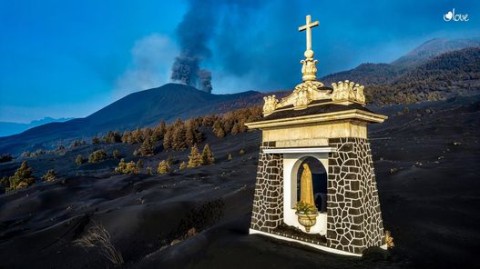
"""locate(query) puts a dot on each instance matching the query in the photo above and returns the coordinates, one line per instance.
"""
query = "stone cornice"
(354, 114)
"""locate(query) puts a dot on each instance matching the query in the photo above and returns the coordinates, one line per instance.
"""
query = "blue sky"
(71, 58)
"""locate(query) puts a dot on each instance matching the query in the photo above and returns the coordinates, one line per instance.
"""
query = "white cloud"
(152, 58)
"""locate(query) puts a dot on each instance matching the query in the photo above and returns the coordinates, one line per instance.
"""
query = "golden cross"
(308, 28)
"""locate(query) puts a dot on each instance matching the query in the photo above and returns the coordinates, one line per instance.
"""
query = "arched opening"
(319, 178)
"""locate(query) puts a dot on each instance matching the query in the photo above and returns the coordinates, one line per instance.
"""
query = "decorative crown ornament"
(311, 89)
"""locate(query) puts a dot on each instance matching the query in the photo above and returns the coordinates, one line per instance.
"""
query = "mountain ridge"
(386, 84)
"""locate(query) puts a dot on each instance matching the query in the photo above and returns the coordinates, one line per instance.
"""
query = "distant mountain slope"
(382, 73)
(365, 74)
(449, 74)
(11, 128)
(144, 108)
(433, 48)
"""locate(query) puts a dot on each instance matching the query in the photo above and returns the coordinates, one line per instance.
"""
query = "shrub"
(97, 236)
(139, 164)
(194, 159)
(77, 143)
(183, 165)
(163, 167)
(5, 158)
(97, 156)
(149, 171)
(126, 168)
(241, 152)
(79, 160)
(49, 176)
(147, 148)
(5, 182)
(22, 177)
(229, 157)
(95, 140)
(112, 137)
(116, 154)
(207, 155)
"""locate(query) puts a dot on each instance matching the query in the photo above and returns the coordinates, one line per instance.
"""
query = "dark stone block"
(351, 176)
(356, 203)
(353, 211)
(350, 163)
(331, 234)
(352, 195)
(355, 185)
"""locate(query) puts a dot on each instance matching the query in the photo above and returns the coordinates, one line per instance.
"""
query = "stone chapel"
(315, 180)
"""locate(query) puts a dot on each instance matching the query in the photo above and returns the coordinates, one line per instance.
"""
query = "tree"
(163, 167)
(167, 139)
(139, 164)
(149, 171)
(95, 140)
(218, 129)
(159, 131)
(179, 142)
(137, 136)
(127, 137)
(22, 177)
(97, 156)
(190, 137)
(183, 166)
(147, 148)
(126, 168)
(79, 160)
(5, 158)
(194, 159)
(49, 176)
(116, 154)
(207, 155)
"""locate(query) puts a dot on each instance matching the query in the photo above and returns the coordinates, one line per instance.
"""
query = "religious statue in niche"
(307, 212)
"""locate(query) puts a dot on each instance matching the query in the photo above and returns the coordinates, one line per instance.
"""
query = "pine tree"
(207, 155)
(147, 148)
(79, 160)
(49, 176)
(22, 177)
(121, 166)
(194, 159)
(183, 166)
(167, 139)
(190, 138)
(139, 164)
(218, 129)
(116, 154)
(163, 167)
(179, 142)
(159, 131)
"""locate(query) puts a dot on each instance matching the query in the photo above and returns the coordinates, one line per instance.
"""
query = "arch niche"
(293, 168)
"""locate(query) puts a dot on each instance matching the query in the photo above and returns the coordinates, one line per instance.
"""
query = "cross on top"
(308, 28)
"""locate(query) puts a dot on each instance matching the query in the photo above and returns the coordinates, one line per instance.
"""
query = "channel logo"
(453, 16)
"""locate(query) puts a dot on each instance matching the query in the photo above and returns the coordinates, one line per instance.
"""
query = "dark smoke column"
(193, 34)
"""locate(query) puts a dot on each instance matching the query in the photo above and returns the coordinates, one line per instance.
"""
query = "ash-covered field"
(427, 166)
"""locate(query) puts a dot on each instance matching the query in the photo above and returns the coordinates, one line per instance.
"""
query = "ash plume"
(205, 82)
(194, 33)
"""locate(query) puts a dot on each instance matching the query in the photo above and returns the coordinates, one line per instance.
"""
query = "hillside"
(431, 49)
(449, 74)
(427, 177)
(144, 108)
(436, 70)
(383, 73)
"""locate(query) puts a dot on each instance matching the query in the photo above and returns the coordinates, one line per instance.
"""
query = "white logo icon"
(452, 16)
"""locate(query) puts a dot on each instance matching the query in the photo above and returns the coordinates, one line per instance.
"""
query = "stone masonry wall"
(267, 210)
(354, 220)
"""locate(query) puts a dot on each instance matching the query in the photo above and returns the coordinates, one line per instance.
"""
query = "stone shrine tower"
(316, 138)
